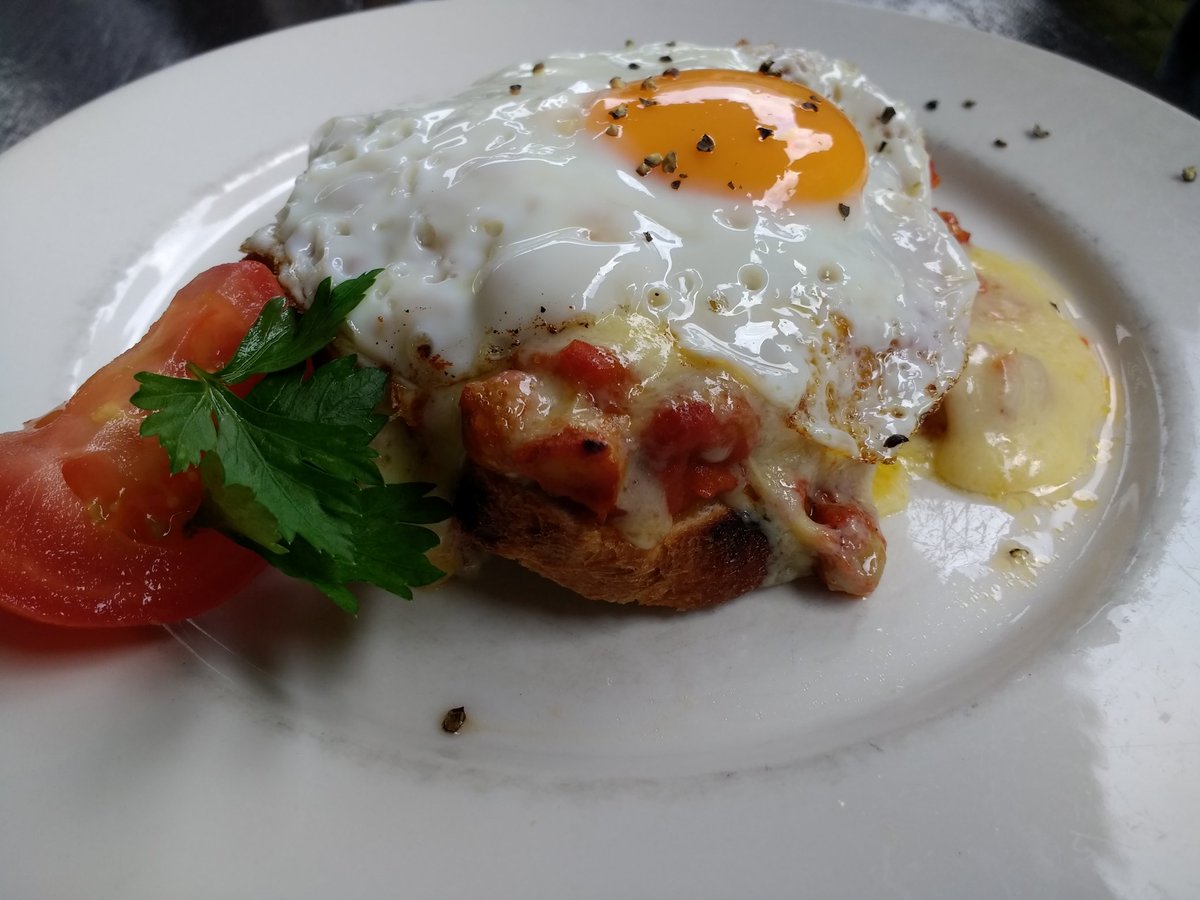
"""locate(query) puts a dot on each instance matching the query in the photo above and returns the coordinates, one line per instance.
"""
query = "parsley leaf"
(280, 339)
(288, 467)
(389, 513)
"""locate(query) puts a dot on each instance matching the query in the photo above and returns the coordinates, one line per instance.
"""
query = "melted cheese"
(1027, 415)
(1027, 412)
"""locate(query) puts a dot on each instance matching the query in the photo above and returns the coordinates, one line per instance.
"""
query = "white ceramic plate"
(960, 733)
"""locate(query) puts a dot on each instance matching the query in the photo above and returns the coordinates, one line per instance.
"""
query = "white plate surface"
(963, 732)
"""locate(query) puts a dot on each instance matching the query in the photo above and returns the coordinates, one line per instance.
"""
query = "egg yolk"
(778, 142)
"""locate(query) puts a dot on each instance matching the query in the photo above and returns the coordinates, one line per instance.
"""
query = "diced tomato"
(94, 530)
(577, 464)
(510, 426)
(595, 370)
(851, 560)
(494, 413)
(960, 234)
(707, 481)
(695, 450)
(934, 178)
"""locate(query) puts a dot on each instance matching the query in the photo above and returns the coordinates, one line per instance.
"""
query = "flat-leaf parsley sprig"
(288, 468)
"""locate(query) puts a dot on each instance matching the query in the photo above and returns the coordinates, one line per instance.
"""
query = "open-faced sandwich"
(650, 316)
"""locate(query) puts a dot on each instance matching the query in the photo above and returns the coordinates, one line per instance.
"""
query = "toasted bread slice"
(713, 555)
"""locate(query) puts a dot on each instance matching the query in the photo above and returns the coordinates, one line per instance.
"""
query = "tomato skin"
(94, 530)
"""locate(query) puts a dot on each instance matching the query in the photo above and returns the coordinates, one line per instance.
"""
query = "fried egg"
(770, 208)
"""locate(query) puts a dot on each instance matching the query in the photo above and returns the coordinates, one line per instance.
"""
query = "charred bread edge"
(713, 555)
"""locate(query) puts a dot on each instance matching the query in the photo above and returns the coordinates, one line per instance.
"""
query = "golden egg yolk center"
(719, 130)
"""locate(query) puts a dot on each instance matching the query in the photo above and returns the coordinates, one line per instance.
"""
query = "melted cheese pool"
(1027, 411)
(1031, 416)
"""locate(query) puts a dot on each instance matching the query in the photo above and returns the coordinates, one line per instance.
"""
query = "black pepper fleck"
(1037, 131)
(968, 104)
(895, 440)
(706, 143)
(889, 113)
(634, 66)
(514, 89)
(675, 184)
(648, 236)
(844, 210)
(670, 72)
(882, 146)
(764, 132)
(809, 105)
(454, 720)
(765, 68)
(999, 142)
(664, 59)
(931, 105)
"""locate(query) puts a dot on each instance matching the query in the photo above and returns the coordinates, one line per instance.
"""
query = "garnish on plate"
(288, 468)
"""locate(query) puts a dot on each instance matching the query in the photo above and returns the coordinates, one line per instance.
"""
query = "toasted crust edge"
(714, 555)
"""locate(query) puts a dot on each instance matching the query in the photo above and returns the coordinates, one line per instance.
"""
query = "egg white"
(496, 215)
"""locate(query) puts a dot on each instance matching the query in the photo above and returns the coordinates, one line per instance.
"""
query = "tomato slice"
(94, 529)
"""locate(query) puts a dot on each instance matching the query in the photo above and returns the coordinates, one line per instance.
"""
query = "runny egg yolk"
(778, 142)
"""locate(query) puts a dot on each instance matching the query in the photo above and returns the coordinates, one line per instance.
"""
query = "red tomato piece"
(589, 366)
(594, 370)
(851, 558)
(576, 463)
(694, 449)
(94, 530)
(509, 426)
(960, 234)
(707, 481)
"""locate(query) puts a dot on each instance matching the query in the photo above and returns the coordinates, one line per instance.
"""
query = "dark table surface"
(58, 54)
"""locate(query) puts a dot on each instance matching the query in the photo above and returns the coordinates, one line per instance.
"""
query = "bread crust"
(713, 555)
